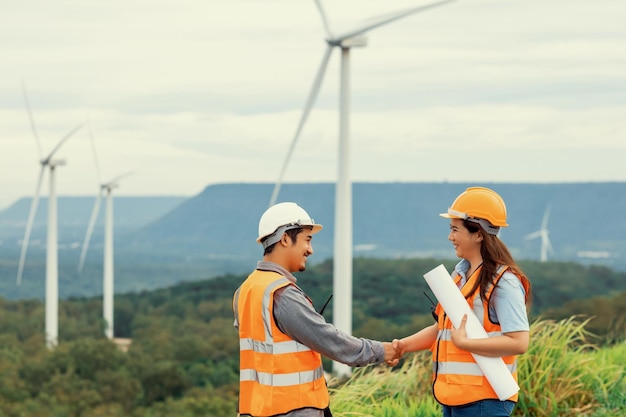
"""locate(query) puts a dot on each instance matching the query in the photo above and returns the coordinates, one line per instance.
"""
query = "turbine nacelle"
(53, 162)
(109, 186)
(115, 182)
(352, 42)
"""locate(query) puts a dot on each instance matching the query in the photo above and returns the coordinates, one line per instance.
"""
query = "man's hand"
(398, 345)
(392, 355)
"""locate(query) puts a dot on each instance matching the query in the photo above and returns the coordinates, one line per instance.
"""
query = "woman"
(497, 291)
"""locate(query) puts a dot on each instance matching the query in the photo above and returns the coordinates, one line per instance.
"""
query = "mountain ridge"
(398, 219)
(213, 233)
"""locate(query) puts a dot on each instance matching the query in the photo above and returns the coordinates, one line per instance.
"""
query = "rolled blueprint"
(455, 305)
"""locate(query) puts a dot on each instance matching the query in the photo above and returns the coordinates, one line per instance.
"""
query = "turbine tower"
(543, 234)
(342, 270)
(107, 269)
(52, 268)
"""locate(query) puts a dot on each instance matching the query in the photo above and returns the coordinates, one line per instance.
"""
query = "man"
(281, 336)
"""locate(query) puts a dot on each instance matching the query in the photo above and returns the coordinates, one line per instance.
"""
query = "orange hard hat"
(479, 203)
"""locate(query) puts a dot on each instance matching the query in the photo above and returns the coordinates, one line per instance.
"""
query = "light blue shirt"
(507, 305)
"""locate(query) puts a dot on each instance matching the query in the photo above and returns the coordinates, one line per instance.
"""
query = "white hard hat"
(282, 217)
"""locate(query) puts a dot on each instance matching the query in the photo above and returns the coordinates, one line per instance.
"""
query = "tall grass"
(381, 391)
(562, 375)
(613, 400)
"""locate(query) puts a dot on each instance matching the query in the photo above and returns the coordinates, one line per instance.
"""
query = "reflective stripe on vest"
(290, 346)
(281, 380)
(457, 378)
(277, 374)
(463, 368)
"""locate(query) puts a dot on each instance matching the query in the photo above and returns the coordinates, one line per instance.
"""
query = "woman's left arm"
(512, 343)
(509, 309)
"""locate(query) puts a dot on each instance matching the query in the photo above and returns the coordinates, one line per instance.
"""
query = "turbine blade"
(92, 223)
(66, 137)
(29, 225)
(305, 114)
(95, 154)
(546, 215)
(318, 3)
(33, 128)
(533, 235)
(117, 179)
(388, 18)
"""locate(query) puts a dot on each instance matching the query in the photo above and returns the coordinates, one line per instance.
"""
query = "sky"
(190, 93)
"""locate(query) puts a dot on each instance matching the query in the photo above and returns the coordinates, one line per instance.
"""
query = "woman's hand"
(396, 345)
(459, 335)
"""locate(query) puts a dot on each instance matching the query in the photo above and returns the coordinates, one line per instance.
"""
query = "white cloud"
(189, 93)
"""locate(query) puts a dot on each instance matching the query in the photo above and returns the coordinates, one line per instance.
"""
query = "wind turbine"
(342, 270)
(543, 234)
(52, 268)
(107, 270)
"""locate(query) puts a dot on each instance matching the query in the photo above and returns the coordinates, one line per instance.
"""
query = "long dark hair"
(494, 253)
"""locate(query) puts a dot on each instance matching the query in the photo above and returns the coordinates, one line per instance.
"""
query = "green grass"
(561, 375)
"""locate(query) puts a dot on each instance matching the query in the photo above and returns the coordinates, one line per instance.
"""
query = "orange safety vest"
(276, 373)
(457, 379)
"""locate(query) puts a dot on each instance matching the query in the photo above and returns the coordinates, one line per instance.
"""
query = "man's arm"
(296, 317)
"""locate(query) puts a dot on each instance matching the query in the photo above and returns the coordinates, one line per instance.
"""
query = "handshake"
(393, 352)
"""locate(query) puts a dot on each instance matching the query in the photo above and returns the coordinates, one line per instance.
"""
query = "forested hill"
(394, 288)
(184, 356)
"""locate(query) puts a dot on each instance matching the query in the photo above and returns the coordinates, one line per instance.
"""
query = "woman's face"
(466, 244)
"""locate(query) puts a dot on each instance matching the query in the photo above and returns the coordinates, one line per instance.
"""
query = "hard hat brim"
(315, 228)
(450, 216)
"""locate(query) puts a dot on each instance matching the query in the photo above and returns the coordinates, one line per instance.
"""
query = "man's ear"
(285, 240)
